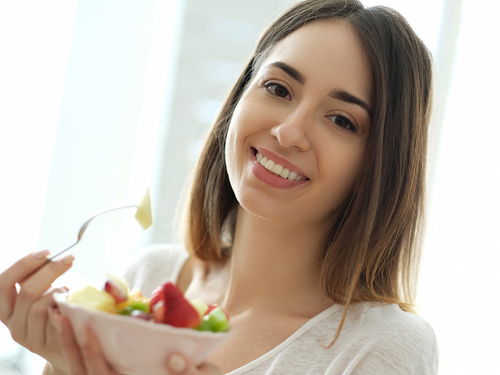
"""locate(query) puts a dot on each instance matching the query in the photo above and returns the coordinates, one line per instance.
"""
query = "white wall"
(82, 88)
(35, 40)
(459, 287)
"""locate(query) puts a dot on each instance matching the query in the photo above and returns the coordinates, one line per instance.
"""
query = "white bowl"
(137, 347)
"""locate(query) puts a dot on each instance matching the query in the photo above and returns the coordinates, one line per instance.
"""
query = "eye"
(343, 122)
(278, 90)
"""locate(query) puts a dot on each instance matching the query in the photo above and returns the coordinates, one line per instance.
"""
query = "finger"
(179, 364)
(94, 358)
(70, 346)
(209, 368)
(38, 318)
(32, 290)
(52, 340)
(14, 274)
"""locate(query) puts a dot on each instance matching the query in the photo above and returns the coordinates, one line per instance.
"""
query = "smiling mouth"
(278, 169)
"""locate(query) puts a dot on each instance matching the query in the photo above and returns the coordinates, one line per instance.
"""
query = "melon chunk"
(143, 214)
(94, 299)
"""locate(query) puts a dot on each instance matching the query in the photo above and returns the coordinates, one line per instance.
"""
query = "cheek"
(235, 147)
(230, 151)
(351, 168)
(245, 122)
(344, 172)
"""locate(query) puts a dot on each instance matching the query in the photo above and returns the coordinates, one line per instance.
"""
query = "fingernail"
(177, 363)
(56, 320)
(68, 259)
(42, 254)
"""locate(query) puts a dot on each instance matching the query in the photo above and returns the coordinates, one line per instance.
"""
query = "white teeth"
(270, 165)
(285, 173)
(277, 168)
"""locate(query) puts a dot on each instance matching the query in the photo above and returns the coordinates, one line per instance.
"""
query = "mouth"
(277, 168)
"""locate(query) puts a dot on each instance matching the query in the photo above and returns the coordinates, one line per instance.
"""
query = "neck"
(275, 267)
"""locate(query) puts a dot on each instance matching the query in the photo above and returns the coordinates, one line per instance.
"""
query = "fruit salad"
(167, 305)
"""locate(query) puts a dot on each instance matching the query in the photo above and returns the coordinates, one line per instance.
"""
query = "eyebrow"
(291, 71)
(349, 98)
(338, 94)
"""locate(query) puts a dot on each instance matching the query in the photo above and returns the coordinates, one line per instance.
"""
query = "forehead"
(329, 54)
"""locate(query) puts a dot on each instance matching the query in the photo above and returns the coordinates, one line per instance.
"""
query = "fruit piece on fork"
(143, 214)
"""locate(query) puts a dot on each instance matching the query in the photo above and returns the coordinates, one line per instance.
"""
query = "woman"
(304, 216)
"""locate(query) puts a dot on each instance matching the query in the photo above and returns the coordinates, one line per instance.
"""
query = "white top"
(376, 338)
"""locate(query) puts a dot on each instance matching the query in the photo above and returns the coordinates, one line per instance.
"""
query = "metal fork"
(85, 225)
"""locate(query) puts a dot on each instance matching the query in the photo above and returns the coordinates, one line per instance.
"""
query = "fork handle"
(59, 253)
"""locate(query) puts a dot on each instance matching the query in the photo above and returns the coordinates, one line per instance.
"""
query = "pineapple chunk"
(143, 214)
(136, 300)
(93, 298)
(135, 294)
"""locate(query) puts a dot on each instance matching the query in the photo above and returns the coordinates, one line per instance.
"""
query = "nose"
(293, 131)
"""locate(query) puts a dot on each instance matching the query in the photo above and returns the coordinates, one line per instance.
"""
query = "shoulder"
(376, 339)
(387, 338)
(155, 264)
(391, 321)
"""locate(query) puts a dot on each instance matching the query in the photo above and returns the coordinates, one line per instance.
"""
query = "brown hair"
(372, 253)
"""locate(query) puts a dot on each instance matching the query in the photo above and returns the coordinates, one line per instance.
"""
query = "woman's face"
(306, 113)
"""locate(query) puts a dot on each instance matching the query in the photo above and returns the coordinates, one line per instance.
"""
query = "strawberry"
(169, 306)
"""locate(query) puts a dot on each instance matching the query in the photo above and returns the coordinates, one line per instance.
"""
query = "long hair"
(372, 253)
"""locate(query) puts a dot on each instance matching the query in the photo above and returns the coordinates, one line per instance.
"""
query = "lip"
(277, 159)
(271, 178)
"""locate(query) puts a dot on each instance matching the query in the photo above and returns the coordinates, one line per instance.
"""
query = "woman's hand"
(85, 357)
(177, 364)
(30, 315)
(24, 310)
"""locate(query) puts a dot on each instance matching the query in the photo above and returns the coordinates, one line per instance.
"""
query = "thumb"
(209, 368)
(179, 364)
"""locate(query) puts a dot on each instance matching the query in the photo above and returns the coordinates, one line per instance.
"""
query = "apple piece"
(199, 306)
(115, 291)
(143, 214)
(211, 307)
(169, 306)
(205, 325)
(218, 320)
(117, 287)
(94, 299)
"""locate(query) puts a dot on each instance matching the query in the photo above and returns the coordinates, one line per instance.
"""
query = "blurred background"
(100, 99)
